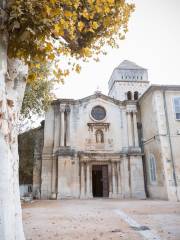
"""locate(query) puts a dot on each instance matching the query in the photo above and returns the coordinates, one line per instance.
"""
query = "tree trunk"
(12, 85)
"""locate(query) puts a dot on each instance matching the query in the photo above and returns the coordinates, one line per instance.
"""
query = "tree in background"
(34, 34)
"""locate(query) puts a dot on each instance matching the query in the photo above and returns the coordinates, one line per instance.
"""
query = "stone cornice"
(98, 125)
(155, 87)
(94, 96)
(127, 81)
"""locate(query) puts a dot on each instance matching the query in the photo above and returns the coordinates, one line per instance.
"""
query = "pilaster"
(82, 196)
(62, 110)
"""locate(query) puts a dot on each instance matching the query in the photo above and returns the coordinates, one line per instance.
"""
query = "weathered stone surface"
(122, 137)
(161, 140)
(79, 137)
(30, 155)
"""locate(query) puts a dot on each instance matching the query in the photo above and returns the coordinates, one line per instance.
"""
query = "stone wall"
(30, 154)
(26, 144)
(161, 140)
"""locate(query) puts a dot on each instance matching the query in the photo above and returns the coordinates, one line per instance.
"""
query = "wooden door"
(105, 181)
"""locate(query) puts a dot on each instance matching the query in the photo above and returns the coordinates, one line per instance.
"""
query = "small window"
(177, 107)
(136, 95)
(129, 95)
(152, 165)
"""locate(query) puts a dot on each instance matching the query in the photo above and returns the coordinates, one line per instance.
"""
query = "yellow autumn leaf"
(76, 4)
(51, 56)
(31, 77)
(110, 1)
(86, 51)
(67, 14)
(53, 1)
(37, 65)
(80, 26)
(48, 9)
(48, 47)
(95, 25)
(91, 1)
(85, 14)
(78, 68)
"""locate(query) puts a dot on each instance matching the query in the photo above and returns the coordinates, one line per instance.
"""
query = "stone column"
(53, 180)
(82, 181)
(62, 109)
(88, 181)
(114, 186)
(68, 126)
(125, 177)
(129, 120)
(56, 127)
(119, 179)
(110, 179)
(56, 146)
(137, 177)
(136, 142)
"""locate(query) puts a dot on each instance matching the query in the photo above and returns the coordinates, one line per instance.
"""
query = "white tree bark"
(12, 85)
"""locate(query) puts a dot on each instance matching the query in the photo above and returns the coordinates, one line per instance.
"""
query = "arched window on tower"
(129, 95)
(136, 95)
(99, 136)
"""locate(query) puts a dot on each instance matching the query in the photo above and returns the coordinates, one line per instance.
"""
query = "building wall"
(120, 88)
(157, 142)
(84, 139)
(152, 145)
(30, 146)
(174, 128)
(63, 163)
(37, 166)
(26, 145)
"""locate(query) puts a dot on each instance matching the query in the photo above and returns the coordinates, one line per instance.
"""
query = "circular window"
(98, 113)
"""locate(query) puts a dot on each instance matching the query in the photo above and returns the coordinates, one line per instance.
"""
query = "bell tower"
(128, 81)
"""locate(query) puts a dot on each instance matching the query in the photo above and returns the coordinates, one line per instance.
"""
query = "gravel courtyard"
(101, 219)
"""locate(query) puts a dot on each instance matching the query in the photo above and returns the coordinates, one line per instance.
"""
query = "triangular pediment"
(97, 95)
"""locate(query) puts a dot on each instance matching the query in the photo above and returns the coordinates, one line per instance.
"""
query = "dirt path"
(98, 220)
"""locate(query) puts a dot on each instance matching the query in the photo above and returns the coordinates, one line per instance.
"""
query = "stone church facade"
(116, 146)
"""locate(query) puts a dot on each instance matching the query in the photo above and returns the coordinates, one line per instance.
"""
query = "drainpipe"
(143, 156)
(170, 143)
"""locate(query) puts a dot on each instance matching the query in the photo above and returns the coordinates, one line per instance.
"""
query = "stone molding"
(67, 109)
(131, 108)
(100, 157)
(86, 99)
(56, 109)
(98, 125)
(65, 151)
(62, 108)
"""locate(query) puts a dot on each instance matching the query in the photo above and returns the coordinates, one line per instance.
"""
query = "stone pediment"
(88, 98)
(101, 96)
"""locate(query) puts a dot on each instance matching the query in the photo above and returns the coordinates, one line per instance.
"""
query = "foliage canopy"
(41, 32)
